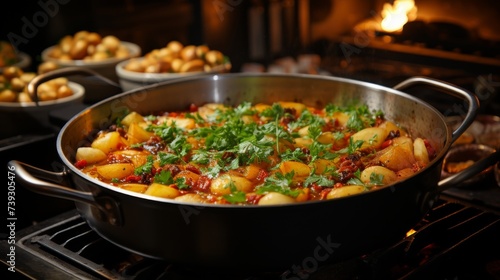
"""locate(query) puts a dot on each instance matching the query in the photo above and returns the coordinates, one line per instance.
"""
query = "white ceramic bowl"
(24, 62)
(29, 118)
(130, 80)
(105, 68)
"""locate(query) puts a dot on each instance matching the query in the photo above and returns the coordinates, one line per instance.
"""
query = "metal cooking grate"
(451, 233)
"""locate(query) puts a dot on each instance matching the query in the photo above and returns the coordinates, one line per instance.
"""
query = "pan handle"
(63, 72)
(37, 180)
(469, 172)
(452, 90)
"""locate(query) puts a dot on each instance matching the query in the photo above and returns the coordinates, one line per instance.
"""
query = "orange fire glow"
(396, 15)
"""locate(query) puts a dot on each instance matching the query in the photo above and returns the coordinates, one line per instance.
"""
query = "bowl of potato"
(91, 50)
(173, 61)
(18, 109)
(9, 56)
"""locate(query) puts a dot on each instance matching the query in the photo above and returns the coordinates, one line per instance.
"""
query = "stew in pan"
(278, 153)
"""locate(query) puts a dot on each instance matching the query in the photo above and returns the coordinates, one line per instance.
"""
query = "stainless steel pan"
(255, 238)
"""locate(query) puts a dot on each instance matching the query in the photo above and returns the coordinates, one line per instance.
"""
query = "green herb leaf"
(146, 168)
(164, 177)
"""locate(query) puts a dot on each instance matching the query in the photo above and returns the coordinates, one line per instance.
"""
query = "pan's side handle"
(452, 90)
(64, 72)
(37, 180)
(470, 171)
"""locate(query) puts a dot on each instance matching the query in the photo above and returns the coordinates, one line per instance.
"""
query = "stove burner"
(455, 239)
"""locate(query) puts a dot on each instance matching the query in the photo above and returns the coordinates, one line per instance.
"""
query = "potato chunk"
(420, 152)
(115, 170)
(388, 176)
(91, 155)
(274, 198)
(298, 107)
(399, 155)
(299, 169)
(138, 188)
(345, 191)
(164, 191)
(372, 137)
(221, 185)
(131, 118)
(108, 142)
(137, 134)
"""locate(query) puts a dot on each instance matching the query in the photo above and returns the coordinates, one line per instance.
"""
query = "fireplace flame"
(396, 15)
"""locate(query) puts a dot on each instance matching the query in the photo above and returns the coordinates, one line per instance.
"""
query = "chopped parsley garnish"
(164, 177)
(280, 183)
(146, 168)
(235, 196)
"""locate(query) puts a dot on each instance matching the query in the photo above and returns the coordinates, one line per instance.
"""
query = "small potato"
(341, 118)
(221, 185)
(139, 188)
(131, 118)
(138, 158)
(330, 138)
(183, 123)
(135, 66)
(405, 173)
(107, 142)
(304, 131)
(137, 134)
(251, 171)
(372, 137)
(190, 198)
(190, 178)
(93, 38)
(79, 49)
(399, 155)
(65, 44)
(201, 51)
(8, 95)
(82, 34)
(17, 84)
(122, 52)
(99, 56)
(302, 142)
(320, 165)
(390, 126)
(259, 107)
(177, 65)
(208, 110)
(160, 190)
(175, 46)
(388, 176)
(188, 53)
(47, 67)
(111, 43)
(345, 191)
(195, 65)
(274, 198)
(298, 107)
(12, 72)
(89, 154)
(214, 57)
(47, 95)
(420, 152)
(115, 170)
(300, 170)
(64, 91)
(24, 97)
